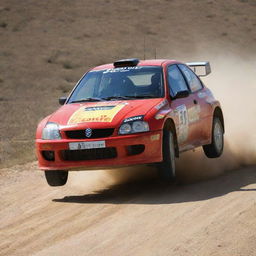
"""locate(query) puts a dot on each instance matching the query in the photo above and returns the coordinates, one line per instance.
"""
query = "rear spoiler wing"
(202, 68)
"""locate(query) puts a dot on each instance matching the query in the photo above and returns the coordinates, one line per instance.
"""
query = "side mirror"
(62, 100)
(181, 94)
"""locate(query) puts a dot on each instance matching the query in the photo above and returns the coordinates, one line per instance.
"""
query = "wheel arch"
(170, 126)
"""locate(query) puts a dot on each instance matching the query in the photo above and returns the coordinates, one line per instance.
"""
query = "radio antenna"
(144, 33)
(144, 47)
(155, 53)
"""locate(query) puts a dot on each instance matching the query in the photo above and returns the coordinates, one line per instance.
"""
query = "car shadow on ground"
(155, 192)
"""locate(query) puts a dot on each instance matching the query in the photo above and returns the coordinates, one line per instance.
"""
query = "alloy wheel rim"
(218, 136)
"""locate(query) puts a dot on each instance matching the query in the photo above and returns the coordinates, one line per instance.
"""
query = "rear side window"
(193, 81)
(176, 80)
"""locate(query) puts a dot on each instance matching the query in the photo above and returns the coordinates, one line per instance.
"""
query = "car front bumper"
(125, 150)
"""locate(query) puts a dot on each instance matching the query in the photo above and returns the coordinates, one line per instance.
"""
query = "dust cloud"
(233, 83)
(102, 179)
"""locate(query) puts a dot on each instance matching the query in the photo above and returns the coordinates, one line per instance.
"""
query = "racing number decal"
(183, 123)
(183, 117)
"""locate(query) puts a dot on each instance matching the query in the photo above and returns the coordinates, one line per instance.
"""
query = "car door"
(180, 106)
(199, 111)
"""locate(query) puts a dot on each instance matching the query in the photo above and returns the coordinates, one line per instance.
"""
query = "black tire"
(215, 149)
(167, 166)
(56, 178)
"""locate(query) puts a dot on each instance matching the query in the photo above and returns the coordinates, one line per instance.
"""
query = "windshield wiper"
(116, 98)
(86, 99)
(142, 96)
(129, 97)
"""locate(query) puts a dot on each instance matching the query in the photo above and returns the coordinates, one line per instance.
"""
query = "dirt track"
(214, 217)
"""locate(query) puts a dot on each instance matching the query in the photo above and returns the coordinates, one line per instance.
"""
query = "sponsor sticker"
(159, 116)
(193, 114)
(95, 114)
(201, 95)
(122, 69)
(133, 118)
(99, 108)
(155, 137)
(161, 104)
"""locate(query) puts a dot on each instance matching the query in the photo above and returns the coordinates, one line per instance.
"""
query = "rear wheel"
(215, 149)
(56, 178)
(167, 167)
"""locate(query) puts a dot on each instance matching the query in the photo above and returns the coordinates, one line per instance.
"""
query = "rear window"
(142, 79)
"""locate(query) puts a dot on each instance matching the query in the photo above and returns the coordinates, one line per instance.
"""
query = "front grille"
(96, 133)
(89, 154)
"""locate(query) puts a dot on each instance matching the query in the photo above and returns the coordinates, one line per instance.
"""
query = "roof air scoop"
(126, 63)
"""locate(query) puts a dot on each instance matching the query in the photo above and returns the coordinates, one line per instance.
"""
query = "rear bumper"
(152, 152)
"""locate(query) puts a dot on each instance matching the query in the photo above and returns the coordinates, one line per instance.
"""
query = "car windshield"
(120, 83)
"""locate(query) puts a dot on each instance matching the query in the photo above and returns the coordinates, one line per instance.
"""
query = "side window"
(176, 80)
(193, 81)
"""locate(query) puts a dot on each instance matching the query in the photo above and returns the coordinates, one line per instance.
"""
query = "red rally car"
(128, 113)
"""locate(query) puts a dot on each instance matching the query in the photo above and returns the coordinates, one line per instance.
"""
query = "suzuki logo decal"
(88, 132)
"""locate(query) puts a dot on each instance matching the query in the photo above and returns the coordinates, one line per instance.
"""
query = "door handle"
(195, 101)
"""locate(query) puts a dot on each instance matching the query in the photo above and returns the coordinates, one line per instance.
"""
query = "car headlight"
(51, 132)
(134, 127)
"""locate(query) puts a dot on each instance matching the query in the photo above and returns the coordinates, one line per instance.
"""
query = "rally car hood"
(109, 113)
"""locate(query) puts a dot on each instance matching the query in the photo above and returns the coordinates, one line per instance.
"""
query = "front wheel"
(215, 149)
(167, 166)
(56, 178)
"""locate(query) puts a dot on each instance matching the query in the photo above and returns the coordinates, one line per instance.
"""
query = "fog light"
(48, 155)
(135, 149)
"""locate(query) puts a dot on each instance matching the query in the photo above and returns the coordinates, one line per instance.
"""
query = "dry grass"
(46, 46)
